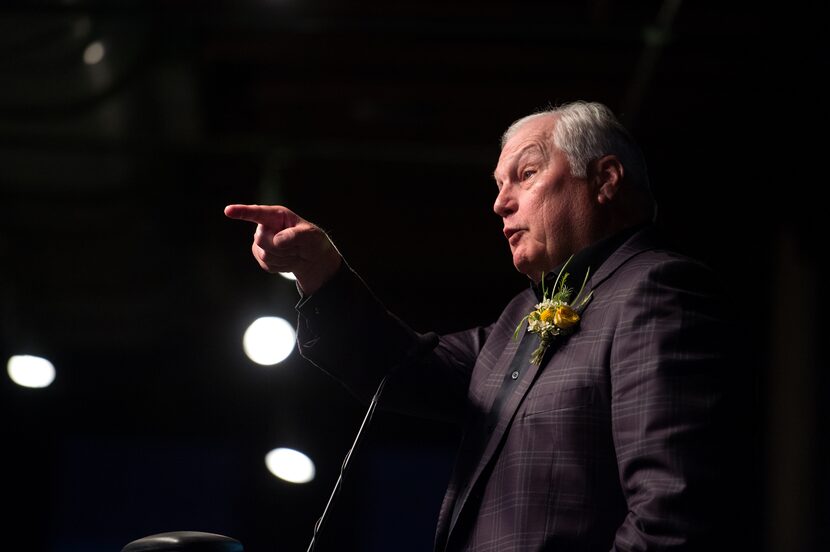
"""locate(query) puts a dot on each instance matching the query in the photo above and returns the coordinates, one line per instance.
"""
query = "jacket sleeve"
(669, 379)
(345, 330)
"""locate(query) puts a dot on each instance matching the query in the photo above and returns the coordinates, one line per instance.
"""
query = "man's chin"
(526, 267)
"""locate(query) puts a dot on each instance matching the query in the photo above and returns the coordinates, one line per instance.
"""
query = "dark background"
(380, 122)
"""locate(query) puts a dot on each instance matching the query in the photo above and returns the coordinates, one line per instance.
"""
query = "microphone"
(184, 541)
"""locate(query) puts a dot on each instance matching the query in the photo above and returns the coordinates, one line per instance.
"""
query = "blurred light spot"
(291, 465)
(31, 371)
(269, 340)
(94, 53)
(288, 275)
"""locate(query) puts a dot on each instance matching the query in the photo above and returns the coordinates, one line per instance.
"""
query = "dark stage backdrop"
(125, 128)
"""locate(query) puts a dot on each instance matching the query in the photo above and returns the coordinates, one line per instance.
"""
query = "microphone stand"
(195, 541)
(366, 419)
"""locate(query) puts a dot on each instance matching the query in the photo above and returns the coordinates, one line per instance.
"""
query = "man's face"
(546, 211)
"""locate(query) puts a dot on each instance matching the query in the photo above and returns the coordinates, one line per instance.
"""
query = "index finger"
(272, 216)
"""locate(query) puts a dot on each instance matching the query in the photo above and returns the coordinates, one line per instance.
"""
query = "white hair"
(586, 131)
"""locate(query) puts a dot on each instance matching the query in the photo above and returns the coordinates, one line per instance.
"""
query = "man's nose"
(505, 202)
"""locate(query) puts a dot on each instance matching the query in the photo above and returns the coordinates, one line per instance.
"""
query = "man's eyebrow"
(513, 159)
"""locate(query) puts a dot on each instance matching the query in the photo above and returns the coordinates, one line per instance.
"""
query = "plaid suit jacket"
(611, 444)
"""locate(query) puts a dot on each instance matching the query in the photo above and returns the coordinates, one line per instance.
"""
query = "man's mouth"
(513, 235)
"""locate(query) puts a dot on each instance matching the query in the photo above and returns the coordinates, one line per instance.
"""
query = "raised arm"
(347, 332)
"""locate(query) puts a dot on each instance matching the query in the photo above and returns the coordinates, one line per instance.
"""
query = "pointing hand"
(285, 242)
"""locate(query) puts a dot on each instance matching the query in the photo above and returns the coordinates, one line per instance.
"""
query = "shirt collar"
(588, 258)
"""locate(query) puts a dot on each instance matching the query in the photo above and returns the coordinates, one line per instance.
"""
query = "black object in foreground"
(425, 343)
(184, 541)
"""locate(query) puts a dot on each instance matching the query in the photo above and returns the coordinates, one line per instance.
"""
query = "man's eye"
(527, 173)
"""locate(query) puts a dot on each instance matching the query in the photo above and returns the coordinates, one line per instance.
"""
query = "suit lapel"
(507, 411)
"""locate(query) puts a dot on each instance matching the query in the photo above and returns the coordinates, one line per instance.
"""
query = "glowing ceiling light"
(269, 340)
(94, 52)
(290, 465)
(31, 371)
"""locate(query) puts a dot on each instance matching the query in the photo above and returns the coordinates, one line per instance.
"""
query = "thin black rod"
(366, 419)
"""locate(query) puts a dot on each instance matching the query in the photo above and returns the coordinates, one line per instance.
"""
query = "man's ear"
(606, 177)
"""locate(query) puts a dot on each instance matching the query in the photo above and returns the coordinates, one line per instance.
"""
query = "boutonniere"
(556, 315)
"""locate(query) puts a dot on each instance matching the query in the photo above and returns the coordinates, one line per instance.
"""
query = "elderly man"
(591, 409)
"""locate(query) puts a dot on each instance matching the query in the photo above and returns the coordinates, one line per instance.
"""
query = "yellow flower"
(555, 315)
(547, 315)
(564, 317)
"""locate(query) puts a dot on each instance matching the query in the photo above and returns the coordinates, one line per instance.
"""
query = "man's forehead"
(526, 141)
(535, 133)
(529, 148)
